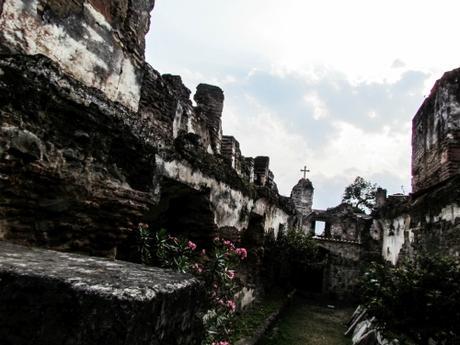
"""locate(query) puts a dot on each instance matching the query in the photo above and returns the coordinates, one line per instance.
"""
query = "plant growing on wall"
(420, 299)
(216, 268)
(289, 256)
(360, 194)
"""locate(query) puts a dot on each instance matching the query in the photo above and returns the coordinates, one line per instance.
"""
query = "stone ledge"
(61, 298)
(327, 239)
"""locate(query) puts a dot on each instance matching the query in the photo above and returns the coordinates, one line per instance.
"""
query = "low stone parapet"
(49, 297)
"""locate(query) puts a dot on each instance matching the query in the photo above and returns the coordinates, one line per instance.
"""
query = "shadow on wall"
(183, 211)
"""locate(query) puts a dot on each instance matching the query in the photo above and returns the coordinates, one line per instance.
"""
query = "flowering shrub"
(419, 299)
(160, 249)
(216, 268)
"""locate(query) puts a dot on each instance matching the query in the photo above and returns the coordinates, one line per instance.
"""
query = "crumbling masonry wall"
(85, 146)
(100, 43)
(429, 219)
(94, 141)
(426, 222)
(436, 134)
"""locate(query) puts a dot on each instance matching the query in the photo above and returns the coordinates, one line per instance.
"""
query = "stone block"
(49, 298)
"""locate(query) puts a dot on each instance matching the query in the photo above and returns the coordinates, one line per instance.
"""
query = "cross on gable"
(304, 170)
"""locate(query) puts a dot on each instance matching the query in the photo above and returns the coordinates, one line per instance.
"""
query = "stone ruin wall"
(302, 196)
(89, 149)
(100, 43)
(429, 219)
(94, 141)
(90, 132)
(427, 222)
(345, 244)
(436, 134)
(343, 268)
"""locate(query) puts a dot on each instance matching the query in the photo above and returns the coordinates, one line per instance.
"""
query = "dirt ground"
(306, 324)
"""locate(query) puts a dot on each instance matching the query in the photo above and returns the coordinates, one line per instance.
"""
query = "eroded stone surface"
(210, 104)
(60, 298)
(302, 196)
(427, 221)
(436, 134)
(106, 38)
(102, 164)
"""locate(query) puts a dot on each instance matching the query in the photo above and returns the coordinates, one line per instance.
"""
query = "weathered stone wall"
(302, 196)
(75, 175)
(342, 267)
(261, 170)
(341, 223)
(210, 104)
(342, 280)
(429, 221)
(346, 249)
(345, 243)
(97, 42)
(56, 298)
(79, 171)
(436, 134)
(232, 153)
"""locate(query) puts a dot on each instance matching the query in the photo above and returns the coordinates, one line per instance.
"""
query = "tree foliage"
(290, 257)
(418, 300)
(360, 194)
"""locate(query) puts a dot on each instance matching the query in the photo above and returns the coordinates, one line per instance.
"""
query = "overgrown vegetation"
(419, 300)
(360, 194)
(289, 258)
(216, 268)
(250, 321)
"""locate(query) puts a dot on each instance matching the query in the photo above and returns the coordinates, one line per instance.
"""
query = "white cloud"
(350, 153)
(320, 110)
(318, 47)
(356, 152)
(265, 135)
(372, 114)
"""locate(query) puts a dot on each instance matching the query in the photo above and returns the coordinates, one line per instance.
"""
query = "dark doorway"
(311, 280)
(182, 211)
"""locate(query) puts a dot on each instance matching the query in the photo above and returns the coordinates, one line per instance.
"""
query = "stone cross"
(304, 170)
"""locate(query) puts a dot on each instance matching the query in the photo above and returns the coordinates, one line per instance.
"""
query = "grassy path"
(306, 324)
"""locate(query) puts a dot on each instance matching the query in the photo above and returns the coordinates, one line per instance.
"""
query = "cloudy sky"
(332, 84)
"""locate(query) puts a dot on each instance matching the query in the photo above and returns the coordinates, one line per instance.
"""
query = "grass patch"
(306, 324)
(249, 321)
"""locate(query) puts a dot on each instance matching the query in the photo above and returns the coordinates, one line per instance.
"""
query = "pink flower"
(203, 252)
(174, 239)
(220, 343)
(191, 245)
(242, 253)
(231, 274)
(229, 245)
(220, 301)
(231, 305)
(198, 268)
